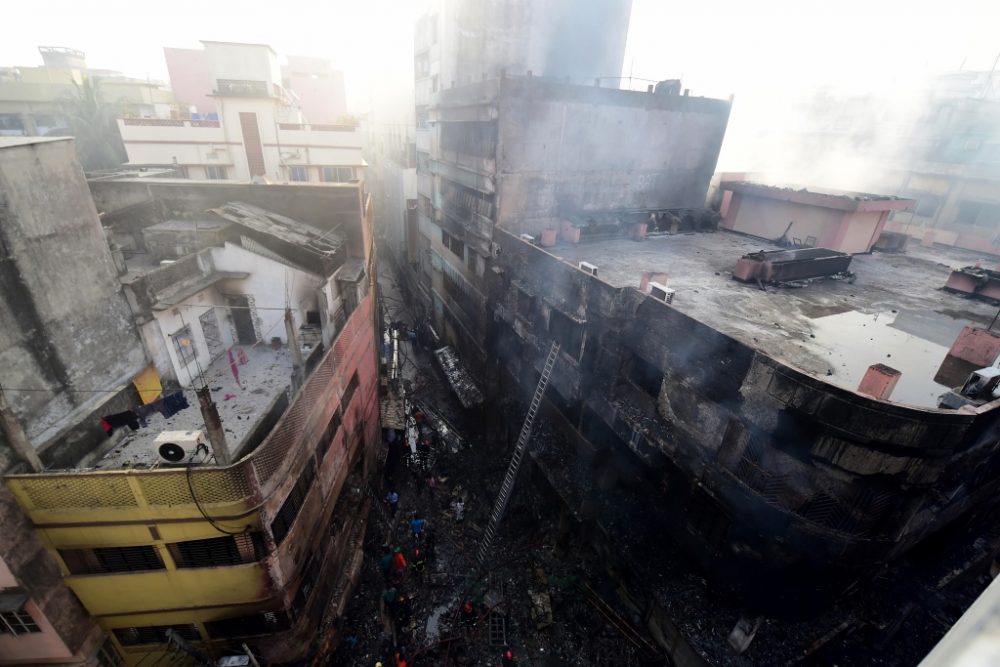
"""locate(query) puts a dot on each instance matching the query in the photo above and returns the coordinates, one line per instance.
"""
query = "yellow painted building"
(219, 555)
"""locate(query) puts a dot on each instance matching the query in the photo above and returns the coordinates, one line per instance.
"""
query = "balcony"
(131, 592)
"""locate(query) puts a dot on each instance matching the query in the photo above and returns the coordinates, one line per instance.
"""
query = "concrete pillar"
(638, 231)
(548, 238)
(213, 425)
(879, 381)
(979, 347)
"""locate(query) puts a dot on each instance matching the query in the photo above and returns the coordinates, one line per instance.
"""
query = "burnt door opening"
(251, 143)
(242, 315)
(213, 335)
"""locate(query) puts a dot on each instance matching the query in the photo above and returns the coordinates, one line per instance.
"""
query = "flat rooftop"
(242, 405)
(823, 197)
(894, 313)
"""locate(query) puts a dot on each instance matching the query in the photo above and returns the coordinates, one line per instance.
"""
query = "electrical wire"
(197, 503)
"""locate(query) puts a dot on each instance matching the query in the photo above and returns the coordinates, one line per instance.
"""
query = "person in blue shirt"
(417, 526)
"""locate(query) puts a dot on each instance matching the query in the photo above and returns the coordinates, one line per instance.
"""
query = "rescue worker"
(419, 560)
(403, 610)
(398, 564)
(400, 660)
(507, 660)
(468, 615)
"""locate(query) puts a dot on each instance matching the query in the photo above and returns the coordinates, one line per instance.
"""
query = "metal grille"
(498, 629)
(78, 491)
(128, 559)
(227, 485)
(228, 550)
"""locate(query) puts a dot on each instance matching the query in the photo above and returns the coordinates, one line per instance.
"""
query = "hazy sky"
(762, 52)
(721, 47)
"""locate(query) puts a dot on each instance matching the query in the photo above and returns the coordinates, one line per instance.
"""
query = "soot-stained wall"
(65, 328)
(775, 477)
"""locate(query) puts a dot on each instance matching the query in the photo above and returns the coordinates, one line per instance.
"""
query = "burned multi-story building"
(549, 160)
(215, 496)
(793, 439)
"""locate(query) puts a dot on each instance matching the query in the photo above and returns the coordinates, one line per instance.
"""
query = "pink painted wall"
(835, 229)
(319, 87)
(190, 79)
(34, 648)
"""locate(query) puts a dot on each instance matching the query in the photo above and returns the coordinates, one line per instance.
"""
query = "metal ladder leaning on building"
(500, 506)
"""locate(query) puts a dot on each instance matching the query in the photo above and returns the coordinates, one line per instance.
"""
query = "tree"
(93, 124)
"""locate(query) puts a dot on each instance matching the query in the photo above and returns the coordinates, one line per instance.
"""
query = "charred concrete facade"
(529, 155)
(66, 324)
(781, 484)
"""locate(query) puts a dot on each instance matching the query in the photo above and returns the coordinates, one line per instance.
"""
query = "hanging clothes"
(233, 367)
(120, 419)
(173, 404)
(147, 383)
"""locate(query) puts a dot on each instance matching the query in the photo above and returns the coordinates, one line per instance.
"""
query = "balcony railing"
(170, 122)
(314, 127)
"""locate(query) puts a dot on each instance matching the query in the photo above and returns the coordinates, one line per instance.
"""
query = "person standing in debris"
(386, 562)
(398, 564)
(424, 453)
(507, 660)
(458, 508)
(468, 615)
(417, 526)
(430, 544)
(400, 660)
(403, 611)
(389, 597)
(393, 499)
(418, 563)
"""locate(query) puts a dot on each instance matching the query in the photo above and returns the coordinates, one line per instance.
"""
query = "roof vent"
(661, 292)
(588, 267)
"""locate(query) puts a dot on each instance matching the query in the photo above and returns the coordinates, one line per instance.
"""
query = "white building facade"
(260, 132)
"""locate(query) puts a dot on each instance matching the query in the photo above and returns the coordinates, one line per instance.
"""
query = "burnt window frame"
(284, 518)
(154, 634)
(329, 433)
(349, 391)
(264, 623)
(571, 340)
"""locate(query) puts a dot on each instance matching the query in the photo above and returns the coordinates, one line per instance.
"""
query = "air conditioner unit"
(528, 238)
(178, 446)
(661, 292)
(588, 267)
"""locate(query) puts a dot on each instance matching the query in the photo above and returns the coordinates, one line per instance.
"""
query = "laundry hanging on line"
(167, 406)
